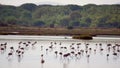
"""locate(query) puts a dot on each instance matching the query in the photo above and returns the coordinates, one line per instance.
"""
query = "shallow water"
(32, 54)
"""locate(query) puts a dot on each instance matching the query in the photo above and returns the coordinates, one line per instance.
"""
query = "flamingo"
(115, 54)
(42, 61)
(10, 54)
(107, 55)
(56, 52)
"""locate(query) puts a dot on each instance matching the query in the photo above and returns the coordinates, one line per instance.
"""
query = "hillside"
(91, 15)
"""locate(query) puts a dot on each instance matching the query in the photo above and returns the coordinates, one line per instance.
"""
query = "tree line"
(90, 15)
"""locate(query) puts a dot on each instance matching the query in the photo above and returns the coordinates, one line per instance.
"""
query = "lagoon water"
(32, 55)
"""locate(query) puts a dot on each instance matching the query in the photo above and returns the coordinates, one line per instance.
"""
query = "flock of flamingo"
(74, 51)
(19, 52)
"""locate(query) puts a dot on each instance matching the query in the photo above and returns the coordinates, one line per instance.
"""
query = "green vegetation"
(85, 37)
(68, 16)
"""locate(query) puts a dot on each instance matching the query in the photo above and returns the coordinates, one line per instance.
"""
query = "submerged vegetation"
(68, 16)
(85, 37)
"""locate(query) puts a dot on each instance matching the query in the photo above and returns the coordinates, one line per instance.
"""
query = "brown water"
(32, 54)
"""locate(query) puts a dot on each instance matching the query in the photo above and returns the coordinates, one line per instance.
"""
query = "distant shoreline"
(58, 31)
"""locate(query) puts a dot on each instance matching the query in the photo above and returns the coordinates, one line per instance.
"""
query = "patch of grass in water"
(84, 37)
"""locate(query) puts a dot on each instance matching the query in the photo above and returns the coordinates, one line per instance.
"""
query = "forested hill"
(91, 15)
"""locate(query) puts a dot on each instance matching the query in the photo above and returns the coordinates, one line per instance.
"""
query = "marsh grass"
(57, 31)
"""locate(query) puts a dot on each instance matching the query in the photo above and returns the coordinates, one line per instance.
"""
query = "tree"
(39, 23)
(76, 23)
(75, 7)
(2, 23)
(26, 15)
(70, 27)
(52, 25)
(75, 15)
(29, 6)
(88, 21)
(65, 22)
(103, 22)
(11, 20)
(115, 24)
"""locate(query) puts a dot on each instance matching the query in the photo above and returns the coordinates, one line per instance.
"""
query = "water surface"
(32, 54)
